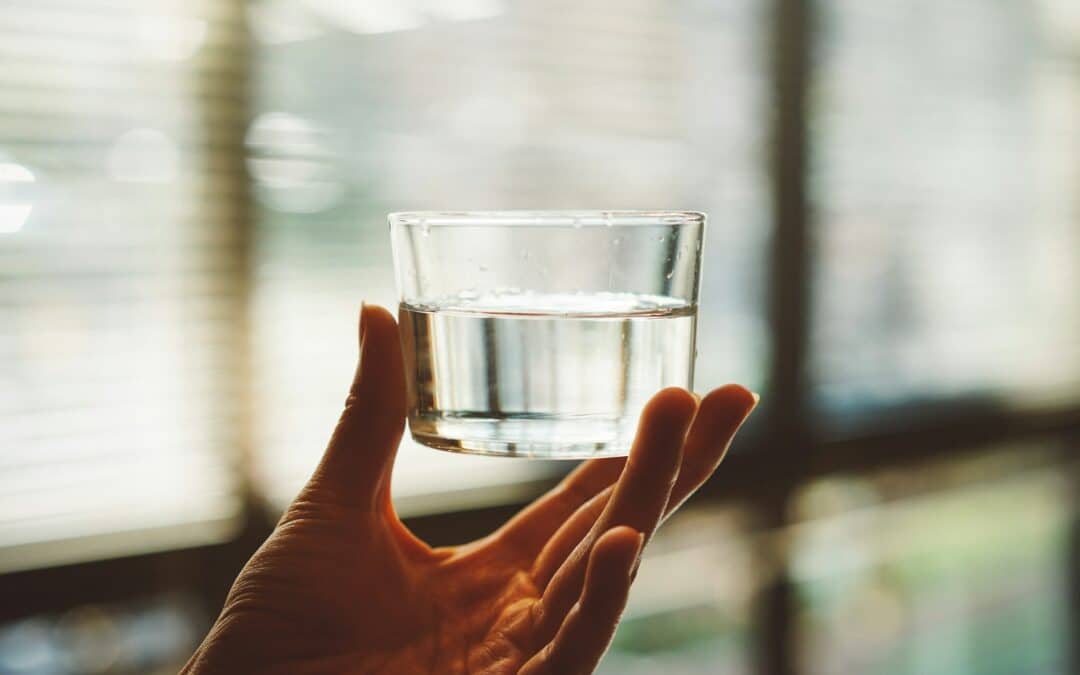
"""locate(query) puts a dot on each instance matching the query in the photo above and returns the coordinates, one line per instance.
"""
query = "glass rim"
(552, 218)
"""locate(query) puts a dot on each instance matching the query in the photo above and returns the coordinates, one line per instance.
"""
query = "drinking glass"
(543, 333)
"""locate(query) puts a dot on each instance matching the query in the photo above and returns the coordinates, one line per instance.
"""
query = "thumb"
(355, 470)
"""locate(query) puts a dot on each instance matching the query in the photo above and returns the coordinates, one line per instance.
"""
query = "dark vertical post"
(225, 121)
(789, 281)
(1072, 560)
(788, 438)
(232, 120)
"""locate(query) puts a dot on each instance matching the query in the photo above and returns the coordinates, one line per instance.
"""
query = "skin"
(341, 586)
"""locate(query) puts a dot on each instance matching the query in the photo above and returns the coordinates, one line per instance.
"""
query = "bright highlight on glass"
(14, 209)
(543, 334)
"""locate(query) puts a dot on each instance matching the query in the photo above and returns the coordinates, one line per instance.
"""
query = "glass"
(950, 255)
(543, 334)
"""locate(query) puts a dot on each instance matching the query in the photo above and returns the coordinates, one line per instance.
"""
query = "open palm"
(341, 586)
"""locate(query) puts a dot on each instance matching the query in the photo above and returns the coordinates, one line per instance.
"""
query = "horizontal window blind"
(944, 181)
(118, 219)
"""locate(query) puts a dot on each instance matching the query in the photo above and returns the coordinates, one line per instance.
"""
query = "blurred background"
(192, 206)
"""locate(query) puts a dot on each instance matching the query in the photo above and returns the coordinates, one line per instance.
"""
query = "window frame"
(782, 450)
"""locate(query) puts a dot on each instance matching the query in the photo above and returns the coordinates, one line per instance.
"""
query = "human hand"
(341, 586)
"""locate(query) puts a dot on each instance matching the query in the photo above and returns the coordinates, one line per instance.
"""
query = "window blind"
(944, 159)
(118, 275)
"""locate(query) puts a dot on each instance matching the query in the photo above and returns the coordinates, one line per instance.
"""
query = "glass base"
(532, 436)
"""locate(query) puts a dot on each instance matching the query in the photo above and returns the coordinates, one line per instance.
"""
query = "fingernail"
(637, 555)
(749, 411)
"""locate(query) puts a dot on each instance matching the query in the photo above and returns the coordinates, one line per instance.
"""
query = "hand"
(341, 586)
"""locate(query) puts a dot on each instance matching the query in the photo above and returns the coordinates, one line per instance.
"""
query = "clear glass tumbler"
(543, 334)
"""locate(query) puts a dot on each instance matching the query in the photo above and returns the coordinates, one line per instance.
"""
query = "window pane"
(147, 636)
(947, 195)
(950, 579)
(365, 108)
(115, 293)
(690, 609)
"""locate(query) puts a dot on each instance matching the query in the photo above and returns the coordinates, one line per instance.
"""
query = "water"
(551, 376)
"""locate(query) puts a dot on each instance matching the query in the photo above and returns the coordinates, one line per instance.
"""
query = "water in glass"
(542, 375)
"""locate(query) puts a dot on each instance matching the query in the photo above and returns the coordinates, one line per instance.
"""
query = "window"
(691, 610)
(935, 574)
(116, 293)
(152, 635)
(192, 207)
(944, 180)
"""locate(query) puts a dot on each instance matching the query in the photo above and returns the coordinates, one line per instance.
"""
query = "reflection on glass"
(293, 169)
(142, 156)
(486, 104)
(951, 579)
(388, 16)
(171, 38)
(945, 188)
(278, 22)
(15, 206)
